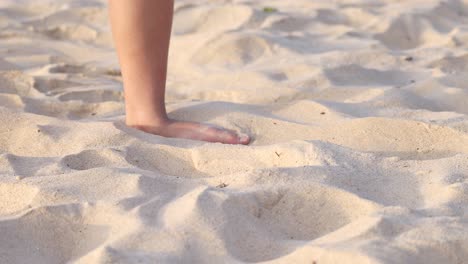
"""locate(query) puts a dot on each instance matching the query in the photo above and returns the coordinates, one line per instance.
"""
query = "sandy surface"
(358, 110)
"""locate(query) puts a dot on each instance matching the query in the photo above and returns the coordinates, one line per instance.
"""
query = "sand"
(357, 109)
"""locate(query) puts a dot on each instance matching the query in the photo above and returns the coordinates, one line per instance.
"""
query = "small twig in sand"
(222, 185)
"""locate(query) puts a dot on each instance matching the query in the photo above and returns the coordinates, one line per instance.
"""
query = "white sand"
(358, 110)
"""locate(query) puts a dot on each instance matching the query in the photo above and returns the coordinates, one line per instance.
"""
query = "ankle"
(145, 119)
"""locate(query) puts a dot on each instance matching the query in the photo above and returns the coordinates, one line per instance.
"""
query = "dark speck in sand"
(222, 185)
(409, 58)
(38, 131)
(93, 114)
(277, 154)
(114, 72)
(322, 113)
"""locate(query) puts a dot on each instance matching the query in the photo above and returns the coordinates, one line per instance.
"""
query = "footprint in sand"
(300, 212)
(88, 159)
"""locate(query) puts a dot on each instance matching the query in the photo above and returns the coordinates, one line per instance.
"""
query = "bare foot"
(196, 131)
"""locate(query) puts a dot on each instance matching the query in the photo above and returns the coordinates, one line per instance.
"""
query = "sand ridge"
(358, 112)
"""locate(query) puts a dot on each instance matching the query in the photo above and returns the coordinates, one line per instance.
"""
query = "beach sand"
(357, 110)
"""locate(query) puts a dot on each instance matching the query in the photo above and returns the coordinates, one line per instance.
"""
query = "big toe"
(243, 139)
(230, 137)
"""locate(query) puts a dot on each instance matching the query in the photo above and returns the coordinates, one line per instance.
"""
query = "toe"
(244, 139)
(229, 137)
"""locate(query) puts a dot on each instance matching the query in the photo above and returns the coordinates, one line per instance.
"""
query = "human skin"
(141, 30)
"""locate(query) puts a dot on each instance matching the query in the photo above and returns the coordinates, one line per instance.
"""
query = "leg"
(141, 30)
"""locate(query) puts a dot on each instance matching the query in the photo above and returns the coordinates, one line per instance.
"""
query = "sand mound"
(357, 111)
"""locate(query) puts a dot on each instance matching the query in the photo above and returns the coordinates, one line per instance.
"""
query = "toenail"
(243, 137)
